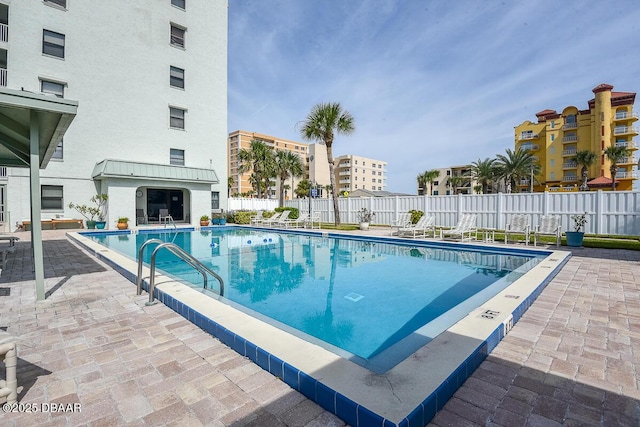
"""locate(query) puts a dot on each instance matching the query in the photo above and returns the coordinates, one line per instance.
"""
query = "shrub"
(415, 216)
(242, 217)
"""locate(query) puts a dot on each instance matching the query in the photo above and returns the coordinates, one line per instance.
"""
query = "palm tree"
(259, 159)
(287, 164)
(320, 125)
(584, 158)
(230, 182)
(484, 172)
(427, 177)
(615, 154)
(454, 182)
(514, 166)
(303, 189)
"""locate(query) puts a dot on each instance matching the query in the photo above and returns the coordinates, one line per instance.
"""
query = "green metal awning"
(110, 168)
(54, 117)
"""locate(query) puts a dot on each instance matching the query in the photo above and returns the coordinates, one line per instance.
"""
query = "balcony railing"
(3, 77)
(569, 165)
(569, 152)
(626, 175)
(529, 147)
(4, 32)
(569, 178)
(344, 181)
(629, 145)
(570, 126)
(344, 165)
(527, 136)
(524, 182)
(569, 138)
(3, 173)
(628, 160)
(344, 173)
(625, 115)
(622, 130)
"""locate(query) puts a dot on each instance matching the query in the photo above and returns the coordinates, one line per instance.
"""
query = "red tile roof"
(601, 181)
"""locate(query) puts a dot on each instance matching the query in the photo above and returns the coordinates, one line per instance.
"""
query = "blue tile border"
(329, 399)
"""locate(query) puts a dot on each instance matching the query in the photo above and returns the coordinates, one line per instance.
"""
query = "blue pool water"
(372, 301)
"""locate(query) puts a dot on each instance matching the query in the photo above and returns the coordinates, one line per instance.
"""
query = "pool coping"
(408, 394)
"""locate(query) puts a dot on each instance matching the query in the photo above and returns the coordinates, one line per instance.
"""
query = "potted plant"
(92, 212)
(219, 219)
(123, 223)
(364, 218)
(574, 238)
(204, 220)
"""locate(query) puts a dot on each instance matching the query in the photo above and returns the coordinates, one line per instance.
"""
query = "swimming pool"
(409, 380)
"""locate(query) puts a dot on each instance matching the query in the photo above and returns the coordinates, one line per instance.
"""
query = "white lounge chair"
(266, 222)
(419, 229)
(519, 225)
(549, 226)
(257, 218)
(281, 221)
(297, 222)
(403, 220)
(466, 227)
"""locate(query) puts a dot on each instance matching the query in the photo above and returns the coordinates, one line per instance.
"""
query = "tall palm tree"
(321, 124)
(514, 166)
(259, 159)
(303, 189)
(422, 183)
(230, 182)
(584, 158)
(287, 164)
(483, 172)
(615, 154)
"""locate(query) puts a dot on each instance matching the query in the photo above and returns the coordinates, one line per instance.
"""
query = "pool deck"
(571, 359)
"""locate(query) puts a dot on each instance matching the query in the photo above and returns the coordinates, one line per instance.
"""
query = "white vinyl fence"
(608, 212)
(249, 204)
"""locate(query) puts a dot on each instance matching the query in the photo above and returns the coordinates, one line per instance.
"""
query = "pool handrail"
(179, 252)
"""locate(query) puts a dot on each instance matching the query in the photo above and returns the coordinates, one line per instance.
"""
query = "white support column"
(36, 208)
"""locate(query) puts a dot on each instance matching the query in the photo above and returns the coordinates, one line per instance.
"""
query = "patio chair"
(419, 229)
(313, 221)
(141, 217)
(403, 220)
(519, 225)
(466, 227)
(273, 218)
(282, 220)
(164, 216)
(257, 218)
(549, 226)
(297, 222)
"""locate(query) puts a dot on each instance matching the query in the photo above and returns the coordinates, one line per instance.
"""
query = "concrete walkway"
(571, 360)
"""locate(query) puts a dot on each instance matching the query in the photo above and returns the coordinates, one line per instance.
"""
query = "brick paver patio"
(571, 359)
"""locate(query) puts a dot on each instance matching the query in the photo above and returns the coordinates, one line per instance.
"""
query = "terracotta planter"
(123, 226)
(204, 223)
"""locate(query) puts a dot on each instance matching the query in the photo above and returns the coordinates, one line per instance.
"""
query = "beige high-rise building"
(356, 172)
(452, 180)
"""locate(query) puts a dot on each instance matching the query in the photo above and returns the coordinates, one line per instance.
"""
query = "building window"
(436, 183)
(435, 192)
(215, 200)
(373, 165)
(177, 36)
(176, 157)
(58, 154)
(179, 3)
(176, 77)
(52, 87)
(553, 137)
(552, 176)
(448, 173)
(552, 163)
(553, 124)
(51, 197)
(552, 150)
(364, 163)
(53, 43)
(176, 118)
(61, 3)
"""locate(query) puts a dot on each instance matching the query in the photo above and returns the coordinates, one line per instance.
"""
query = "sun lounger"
(267, 222)
(282, 220)
(419, 229)
(257, 218)
(464, 230)
(403, 220)
(313, 221)
(549, 226)
(519, 225)
(297, 222)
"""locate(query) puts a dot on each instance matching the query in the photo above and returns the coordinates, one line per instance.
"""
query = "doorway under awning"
(31, 126)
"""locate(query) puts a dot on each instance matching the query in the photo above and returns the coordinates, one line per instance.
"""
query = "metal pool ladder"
(180, 253)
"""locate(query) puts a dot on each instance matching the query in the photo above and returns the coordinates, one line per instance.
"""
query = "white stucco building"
(150, 78)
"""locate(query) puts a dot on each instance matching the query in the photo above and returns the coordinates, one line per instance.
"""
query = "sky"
(430, 84)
